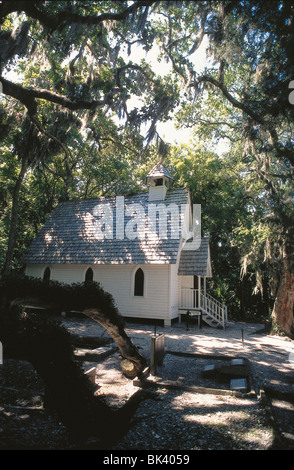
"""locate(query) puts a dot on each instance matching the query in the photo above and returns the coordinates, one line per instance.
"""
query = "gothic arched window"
(89, 275)
(47, 274)
(139, 283)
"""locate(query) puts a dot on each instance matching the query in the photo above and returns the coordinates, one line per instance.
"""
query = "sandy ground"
(175, 415)
(271, 357)
(181, 418)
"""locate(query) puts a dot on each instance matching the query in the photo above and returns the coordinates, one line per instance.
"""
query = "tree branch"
(200, 36)
(33, 10)
(28, 97)
(50, 136)
(230, 98)
(130, 67)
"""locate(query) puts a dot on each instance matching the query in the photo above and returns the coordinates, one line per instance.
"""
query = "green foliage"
(216, 184)
(63, 297)
(239, 96)
(48, 346)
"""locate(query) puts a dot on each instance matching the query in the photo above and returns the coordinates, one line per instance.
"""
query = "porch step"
(211, 321)
(214, 313)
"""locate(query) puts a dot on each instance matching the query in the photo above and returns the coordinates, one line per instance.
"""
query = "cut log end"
(129, 369)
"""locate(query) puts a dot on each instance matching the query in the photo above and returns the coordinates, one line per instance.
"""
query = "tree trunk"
(14, 218)
(127, 349)
(283, 313)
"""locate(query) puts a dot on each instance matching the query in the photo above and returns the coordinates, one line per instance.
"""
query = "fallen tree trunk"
(87, 298)
(68, 391)
(49, 349)
(134, 363)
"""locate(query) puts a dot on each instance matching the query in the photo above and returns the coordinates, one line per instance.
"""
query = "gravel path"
(175, 416)
(184, 419)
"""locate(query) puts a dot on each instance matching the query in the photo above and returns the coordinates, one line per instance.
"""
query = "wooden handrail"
(213, 308)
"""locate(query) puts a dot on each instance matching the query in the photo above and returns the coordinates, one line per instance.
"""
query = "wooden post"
(157, 352)
(204, 292)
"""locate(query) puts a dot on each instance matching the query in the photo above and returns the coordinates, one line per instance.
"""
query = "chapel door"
(196, 289)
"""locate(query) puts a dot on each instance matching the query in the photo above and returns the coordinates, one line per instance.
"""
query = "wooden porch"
(194, 269)
(213, 312)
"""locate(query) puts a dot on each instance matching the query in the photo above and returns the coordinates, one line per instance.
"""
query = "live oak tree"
(49, 348)
(72, 52)
(69, 58)
(242, 94)
(70, 73)
(72, 81)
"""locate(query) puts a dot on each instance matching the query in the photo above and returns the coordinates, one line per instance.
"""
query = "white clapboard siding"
(118, 280)
(186, 282)
(173, 291)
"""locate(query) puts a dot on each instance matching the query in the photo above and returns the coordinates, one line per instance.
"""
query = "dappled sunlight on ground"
(179, 418)
(267, 354)
(237, 340)
(218, 418)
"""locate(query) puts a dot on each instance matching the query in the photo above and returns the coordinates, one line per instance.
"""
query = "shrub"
(63, 297)
(42, 341)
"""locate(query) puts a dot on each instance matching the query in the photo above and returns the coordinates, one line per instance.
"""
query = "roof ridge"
(146, 193)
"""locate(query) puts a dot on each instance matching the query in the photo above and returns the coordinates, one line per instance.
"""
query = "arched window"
(47, 274)
(89, 275)
(139, 283)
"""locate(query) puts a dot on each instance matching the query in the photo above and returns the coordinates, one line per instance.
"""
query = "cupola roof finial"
(159, 171)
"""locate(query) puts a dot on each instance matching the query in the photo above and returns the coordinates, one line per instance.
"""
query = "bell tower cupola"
(158, 180)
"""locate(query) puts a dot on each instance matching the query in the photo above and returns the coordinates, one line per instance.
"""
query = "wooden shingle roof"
(69, 237)
(196, 262)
